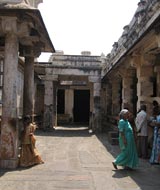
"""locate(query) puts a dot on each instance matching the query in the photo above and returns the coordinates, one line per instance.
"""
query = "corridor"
(77, 160)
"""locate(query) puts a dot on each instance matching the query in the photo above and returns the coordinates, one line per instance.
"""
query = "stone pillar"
(105, 103)
(144, 67)
(50, 100)
(9, 125)
(48, 103)
(116, 99)
(69, 101)
(96, 124)
(28, 93)
(108, 99)
(157, 70)
(54, 103)
(127, 89)
(144, 85)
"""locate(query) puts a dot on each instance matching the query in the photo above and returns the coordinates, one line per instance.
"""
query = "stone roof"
(15, 4)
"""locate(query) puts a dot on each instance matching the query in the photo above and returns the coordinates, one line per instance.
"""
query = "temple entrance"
(60, 101)
(81, 106)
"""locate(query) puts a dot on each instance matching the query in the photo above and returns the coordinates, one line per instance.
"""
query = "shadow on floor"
(146, 176)
(65, 131)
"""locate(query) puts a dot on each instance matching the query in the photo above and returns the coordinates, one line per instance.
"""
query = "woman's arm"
(123, 138)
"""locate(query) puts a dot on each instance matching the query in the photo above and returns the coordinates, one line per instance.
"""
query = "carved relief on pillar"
(9, 143)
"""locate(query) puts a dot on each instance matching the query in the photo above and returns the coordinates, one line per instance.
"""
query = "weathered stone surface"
(11, 1)
(74, 159)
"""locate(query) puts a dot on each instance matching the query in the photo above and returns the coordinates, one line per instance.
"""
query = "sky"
(85, 25)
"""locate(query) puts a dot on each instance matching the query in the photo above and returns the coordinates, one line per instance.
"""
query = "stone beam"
(76, 72)
(12, 1)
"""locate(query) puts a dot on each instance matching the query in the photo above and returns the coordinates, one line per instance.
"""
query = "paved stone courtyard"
(77, 160)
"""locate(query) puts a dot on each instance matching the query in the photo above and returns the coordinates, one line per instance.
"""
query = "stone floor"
(77, 160)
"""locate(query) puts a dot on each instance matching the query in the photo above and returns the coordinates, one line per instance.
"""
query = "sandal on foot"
(114, 165)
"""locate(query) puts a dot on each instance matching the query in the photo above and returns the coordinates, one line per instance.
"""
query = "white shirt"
(141, 123)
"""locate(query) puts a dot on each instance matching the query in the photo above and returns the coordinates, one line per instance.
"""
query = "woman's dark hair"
(156, 109)
(143, 107)
(27, 118)
(155, 103)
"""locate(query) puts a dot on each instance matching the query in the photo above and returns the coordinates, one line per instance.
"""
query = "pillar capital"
(94, 79)
(134, 59)
(142, 59)
(126, 73)
(29, 51)
(9, 25)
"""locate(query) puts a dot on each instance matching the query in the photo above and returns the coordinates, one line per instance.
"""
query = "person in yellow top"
(29, 155)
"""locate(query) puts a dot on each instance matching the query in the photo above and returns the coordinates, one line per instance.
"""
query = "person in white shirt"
(142, 132)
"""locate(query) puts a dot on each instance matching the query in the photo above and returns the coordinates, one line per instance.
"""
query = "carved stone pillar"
(50, 101)
(157, 70)
(9, 125)
(144, 85)
(28, 101)
(144, 67)
(106, 103)
(96, 124)
(116, 93)
(108, 98)
(54, 103)
(128, 88)
(69, 103)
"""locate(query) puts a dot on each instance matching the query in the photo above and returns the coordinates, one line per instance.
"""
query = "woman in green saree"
(128, 157)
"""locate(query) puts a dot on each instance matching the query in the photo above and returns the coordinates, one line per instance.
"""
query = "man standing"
(142, 132)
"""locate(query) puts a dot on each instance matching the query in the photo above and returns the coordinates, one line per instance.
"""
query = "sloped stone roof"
(15, 5)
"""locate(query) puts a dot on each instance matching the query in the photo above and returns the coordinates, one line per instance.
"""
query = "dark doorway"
(60, 101)
(81, 106)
